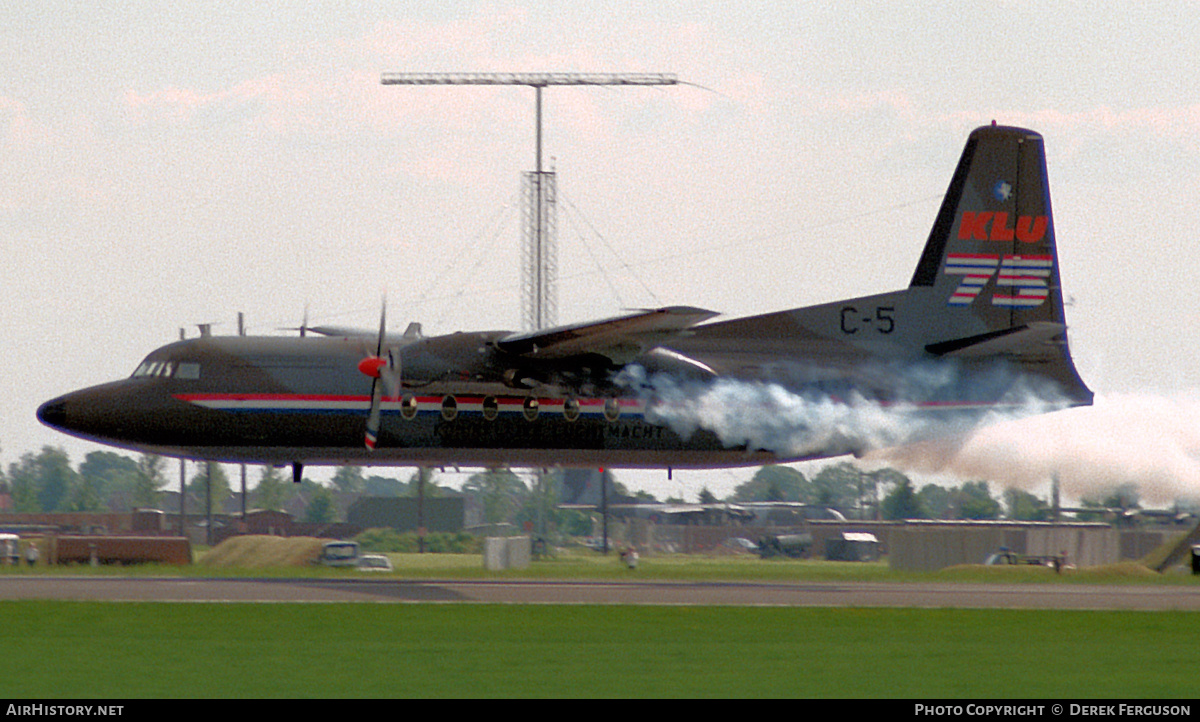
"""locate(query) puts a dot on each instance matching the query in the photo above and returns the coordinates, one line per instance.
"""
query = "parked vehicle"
(1003, 557)
(9, 549)
(339, 554)
(374, 563)
(795, 546)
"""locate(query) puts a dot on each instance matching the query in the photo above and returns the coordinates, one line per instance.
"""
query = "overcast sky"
(163, 165)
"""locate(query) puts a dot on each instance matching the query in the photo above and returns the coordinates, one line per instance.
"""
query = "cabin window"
(491, 409)
(612, 409)
(449, 408)
(571, 409)
(530, 408)
(408, 407)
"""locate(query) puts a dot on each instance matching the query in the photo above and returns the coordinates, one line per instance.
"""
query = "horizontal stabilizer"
(1007, 341)
(620, 338)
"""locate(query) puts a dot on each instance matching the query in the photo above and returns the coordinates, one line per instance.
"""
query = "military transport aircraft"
(980, 325)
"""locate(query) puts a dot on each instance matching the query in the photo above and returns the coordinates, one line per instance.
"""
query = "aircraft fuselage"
(279, 400)
(981, 325)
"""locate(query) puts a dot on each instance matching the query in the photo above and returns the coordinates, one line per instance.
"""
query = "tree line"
(109, 481)
(113, 482)
(890, 495)
(104, 481)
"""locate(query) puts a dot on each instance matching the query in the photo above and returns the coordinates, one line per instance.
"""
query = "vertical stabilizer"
(992, 246)
(989, 272)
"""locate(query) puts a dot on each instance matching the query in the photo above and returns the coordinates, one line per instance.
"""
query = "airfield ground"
(721, 642)
(322, 650)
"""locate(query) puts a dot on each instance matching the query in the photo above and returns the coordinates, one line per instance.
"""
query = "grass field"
(152, 650)
(136, 650)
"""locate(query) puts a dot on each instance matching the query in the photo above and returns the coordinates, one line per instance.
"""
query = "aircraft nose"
(53, 413)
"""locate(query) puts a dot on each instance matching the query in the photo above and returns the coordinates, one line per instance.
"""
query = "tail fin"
(986, 288)
(989, 272)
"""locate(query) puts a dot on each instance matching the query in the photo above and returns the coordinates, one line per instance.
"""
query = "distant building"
(443, 513)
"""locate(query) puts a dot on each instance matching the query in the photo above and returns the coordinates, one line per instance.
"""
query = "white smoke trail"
(797, 425)
(1152, 442)
(768, 416)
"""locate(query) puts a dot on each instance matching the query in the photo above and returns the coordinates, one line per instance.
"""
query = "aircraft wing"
(341, 331)
(413, 331)
(620, 338)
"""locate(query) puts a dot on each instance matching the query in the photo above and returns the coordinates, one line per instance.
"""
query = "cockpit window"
(167, 369)
(148, 368)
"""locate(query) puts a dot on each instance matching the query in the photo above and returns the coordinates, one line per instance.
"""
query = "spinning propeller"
(303, 328)
(383, 370)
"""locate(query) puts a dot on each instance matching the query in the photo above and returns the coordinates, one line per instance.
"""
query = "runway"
(806, 594)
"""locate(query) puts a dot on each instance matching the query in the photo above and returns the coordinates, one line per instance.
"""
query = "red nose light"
(371, 365)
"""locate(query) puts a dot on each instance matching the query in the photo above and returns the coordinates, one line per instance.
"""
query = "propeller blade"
(303, 328)
(391, 373)
(372, 435)
(378, 368)
(382, 327)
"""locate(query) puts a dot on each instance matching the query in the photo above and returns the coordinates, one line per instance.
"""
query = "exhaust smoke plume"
(768, 416)
(835, 417)
(1027, 439)
(1152, 442)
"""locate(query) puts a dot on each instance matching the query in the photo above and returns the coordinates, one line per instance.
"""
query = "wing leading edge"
(620, 339)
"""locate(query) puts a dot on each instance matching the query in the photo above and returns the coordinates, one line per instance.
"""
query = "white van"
(10, 549)
(339, 554)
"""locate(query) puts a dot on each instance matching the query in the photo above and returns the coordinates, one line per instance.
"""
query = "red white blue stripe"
(1029, 275)
(976, 269)
(336, 403)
